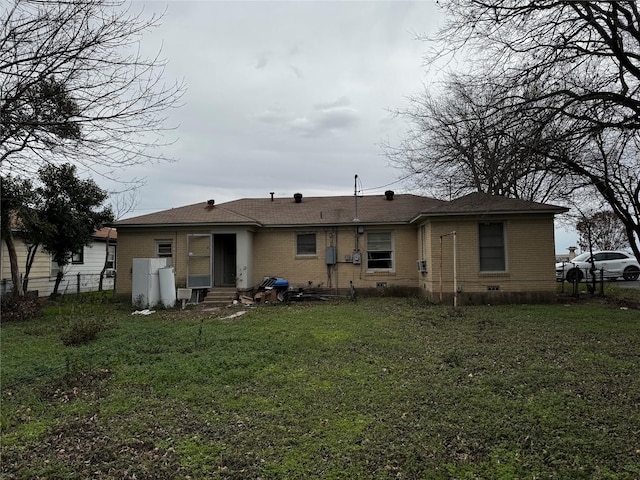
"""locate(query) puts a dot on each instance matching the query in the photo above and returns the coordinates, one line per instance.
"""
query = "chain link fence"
(71, 283)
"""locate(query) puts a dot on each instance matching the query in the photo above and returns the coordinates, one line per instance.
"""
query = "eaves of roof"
(352, 223)
(477, 213)
(182, 224)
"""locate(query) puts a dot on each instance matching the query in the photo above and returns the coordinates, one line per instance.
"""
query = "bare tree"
(604, 167)
(468, 139)
(585, 54)
(601, 230)
(74, 87)
(575, 64)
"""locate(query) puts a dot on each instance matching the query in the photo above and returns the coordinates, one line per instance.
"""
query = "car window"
(598, 257)
(617, 256)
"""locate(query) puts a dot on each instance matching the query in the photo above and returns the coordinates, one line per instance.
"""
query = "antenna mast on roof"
(355, 196)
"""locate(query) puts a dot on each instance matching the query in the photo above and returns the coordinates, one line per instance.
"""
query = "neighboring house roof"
(106, 232)
(337, 210)
(100, 234)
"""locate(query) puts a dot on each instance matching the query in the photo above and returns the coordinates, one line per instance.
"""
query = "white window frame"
(111, 256)
(390, 258)
(77, 258)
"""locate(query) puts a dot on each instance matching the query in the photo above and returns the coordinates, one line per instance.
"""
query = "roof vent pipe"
(297, 197)
(272, 194)
(389, 194)
(211, 203)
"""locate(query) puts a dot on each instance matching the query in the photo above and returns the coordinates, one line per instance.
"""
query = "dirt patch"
(608, 300)
(623, 303)
(85, 385)
(132, 445)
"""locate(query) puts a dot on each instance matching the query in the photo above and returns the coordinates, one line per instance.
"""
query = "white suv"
(613, 265)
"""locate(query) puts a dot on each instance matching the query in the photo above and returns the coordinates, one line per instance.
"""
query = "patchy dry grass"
(381, 388)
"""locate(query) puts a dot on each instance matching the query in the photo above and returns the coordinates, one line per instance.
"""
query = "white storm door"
(199, 261)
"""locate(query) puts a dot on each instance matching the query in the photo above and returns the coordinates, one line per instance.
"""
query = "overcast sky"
(285, 97)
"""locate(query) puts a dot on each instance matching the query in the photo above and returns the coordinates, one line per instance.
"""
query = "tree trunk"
(59, 276)
(13, 260)
(31, 255)
(106, 259)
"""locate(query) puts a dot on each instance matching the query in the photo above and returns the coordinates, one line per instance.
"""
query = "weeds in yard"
(82, 330)
(19, 309)
(381, 388)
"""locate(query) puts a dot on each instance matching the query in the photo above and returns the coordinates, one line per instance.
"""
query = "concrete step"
(220, 296)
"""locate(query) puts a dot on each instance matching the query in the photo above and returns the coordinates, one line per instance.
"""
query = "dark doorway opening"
(224, 260)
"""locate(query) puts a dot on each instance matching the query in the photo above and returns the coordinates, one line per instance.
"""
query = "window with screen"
(305, 244)
(492, 251)
(379, 251)
(164, 249)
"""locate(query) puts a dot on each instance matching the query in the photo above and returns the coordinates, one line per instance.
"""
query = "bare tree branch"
(74, 87)
(574, 66)
(468, 139)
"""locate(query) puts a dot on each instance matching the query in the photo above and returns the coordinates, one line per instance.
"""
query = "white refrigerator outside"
(145, 290)
(167, 287)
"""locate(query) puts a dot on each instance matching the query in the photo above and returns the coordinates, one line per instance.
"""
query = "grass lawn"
(380, 388)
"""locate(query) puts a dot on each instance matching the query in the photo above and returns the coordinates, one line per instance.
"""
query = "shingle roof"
(285, 211)
(482, 203)
(102, 233)
(337, 210)
(106, 232)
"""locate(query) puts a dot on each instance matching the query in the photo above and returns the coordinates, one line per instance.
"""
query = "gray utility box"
(331, 255)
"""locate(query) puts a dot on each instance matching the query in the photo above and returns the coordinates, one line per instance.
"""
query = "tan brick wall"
(275, 255)
(529, 250)
(529, 253)
(141, 243)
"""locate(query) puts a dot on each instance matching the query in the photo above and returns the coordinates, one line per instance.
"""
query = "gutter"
(555, 211)
(175, 225)
(292, 225)
(326, 225)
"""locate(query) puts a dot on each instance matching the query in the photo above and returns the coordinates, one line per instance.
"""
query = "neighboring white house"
(81, 275)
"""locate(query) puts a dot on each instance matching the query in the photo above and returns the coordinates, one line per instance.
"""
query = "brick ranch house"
(504, 247)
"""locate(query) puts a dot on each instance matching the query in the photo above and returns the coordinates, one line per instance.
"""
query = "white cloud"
(283, 96)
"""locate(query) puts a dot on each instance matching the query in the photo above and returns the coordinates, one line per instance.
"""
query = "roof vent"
(272, 194)
(389, 194)
(297, 197)
(211, 203)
